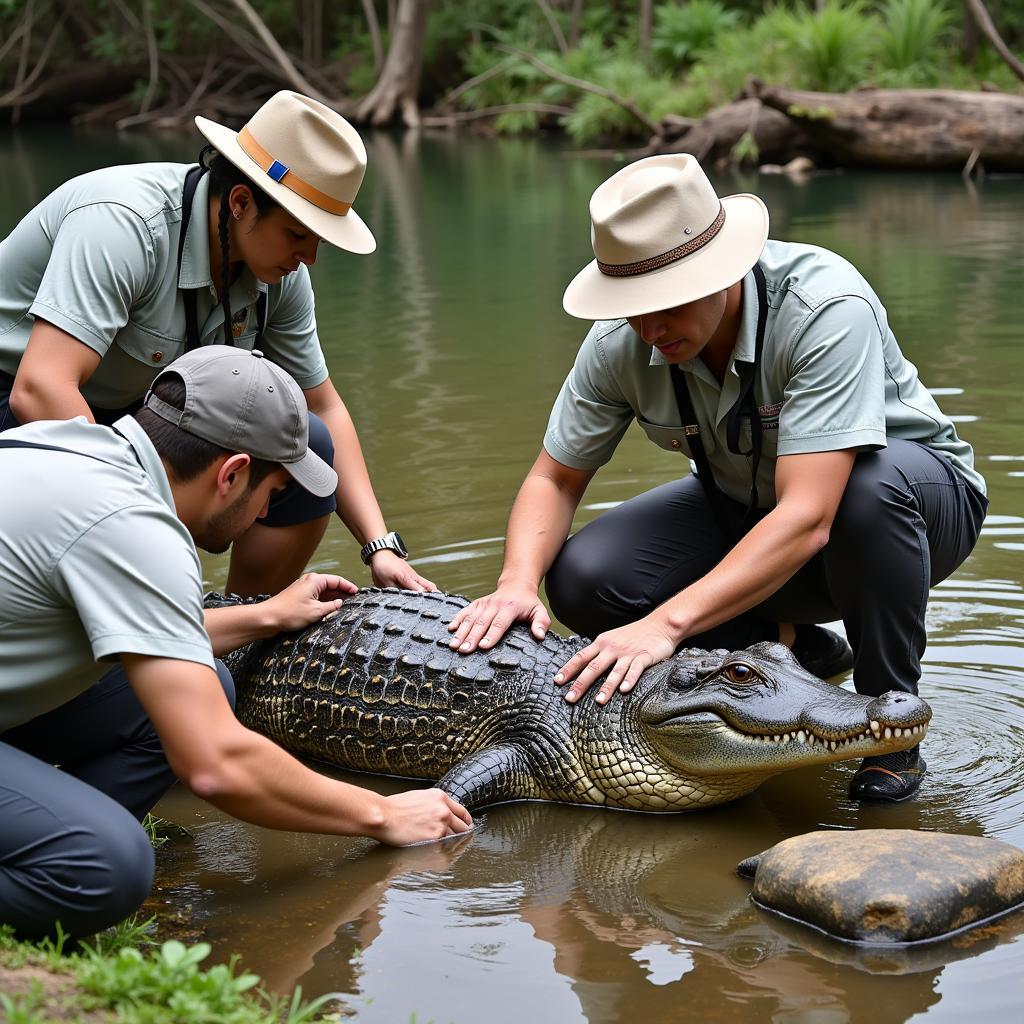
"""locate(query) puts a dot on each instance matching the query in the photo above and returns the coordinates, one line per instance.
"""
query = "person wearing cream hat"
(828, 483)
(118, 272)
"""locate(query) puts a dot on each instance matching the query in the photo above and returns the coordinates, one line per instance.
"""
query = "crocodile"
(375, 687)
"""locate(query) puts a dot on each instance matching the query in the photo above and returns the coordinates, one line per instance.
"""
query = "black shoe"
(889, 777)
(823, 653)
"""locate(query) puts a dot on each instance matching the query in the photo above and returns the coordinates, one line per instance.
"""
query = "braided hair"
(224, 176)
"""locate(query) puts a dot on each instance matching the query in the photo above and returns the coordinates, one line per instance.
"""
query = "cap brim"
(346, 231)
(592, 295)
(313, 474)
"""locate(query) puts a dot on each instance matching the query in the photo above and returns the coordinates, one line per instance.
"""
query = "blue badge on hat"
(277, 170)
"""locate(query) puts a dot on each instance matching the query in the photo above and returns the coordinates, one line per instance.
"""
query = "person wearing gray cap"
(828, 485)
(99, 560)
(119, 271)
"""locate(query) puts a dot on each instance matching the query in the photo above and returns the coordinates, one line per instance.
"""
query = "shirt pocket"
(674, 438)
(146, 347)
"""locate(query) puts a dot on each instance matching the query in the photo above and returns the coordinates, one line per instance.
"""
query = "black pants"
(71, 847)
(907, 519)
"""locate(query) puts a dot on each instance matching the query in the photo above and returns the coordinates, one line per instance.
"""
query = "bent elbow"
(818, 538)
(22, 400)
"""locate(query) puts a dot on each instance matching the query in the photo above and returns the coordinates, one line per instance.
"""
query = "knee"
(227, 681)
(573, 583)
(869, 503)
(320, 441)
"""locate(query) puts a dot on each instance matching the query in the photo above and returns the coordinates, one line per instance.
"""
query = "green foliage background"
(701, 52)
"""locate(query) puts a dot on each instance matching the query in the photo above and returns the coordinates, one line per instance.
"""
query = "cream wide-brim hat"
(307, 158)
(663, 238)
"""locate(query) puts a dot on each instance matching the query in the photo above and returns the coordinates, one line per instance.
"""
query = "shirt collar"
(195, 256)
(743, 351)
(148, 458)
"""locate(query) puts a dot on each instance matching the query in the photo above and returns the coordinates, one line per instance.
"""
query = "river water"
(448, 346)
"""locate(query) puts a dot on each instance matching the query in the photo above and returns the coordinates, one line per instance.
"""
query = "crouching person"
(98, 535)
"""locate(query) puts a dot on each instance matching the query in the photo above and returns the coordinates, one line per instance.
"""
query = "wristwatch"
(391, 541)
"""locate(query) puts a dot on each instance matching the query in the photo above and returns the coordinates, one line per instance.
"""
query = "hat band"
(657, 262)
(284, 175)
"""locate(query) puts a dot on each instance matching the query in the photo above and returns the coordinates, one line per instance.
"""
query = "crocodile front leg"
(495, 775)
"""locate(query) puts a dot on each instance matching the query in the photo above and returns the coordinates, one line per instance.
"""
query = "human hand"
(307, 600)
(388, 570)
(420, 815)
(484, 622)
(626, 651)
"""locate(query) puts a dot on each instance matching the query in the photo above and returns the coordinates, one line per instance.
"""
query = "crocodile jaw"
(702, 743)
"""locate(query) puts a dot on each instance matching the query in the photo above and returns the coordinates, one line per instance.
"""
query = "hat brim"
(720, 263)
(313, 474)
(346, 231)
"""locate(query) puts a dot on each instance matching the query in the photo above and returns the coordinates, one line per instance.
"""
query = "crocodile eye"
(737, 672)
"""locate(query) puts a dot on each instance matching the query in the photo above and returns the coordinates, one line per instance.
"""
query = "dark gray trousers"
(74, 784)
(907, 520)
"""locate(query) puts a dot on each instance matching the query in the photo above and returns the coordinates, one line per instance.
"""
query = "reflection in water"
(448, 345)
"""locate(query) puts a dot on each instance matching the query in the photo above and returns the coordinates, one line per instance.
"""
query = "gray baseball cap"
(237, 399)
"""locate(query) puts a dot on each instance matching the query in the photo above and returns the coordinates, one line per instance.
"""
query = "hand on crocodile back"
(620, 655)
(377, 688)
(483, 622)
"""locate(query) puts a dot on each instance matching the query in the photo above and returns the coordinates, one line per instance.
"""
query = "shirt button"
(676, 443)
(157, 356)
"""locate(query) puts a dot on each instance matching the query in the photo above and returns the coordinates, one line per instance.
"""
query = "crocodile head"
(752, 713)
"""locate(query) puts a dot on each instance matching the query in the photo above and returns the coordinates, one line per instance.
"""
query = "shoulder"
(809, 277)
(149, 193)
(613, 345)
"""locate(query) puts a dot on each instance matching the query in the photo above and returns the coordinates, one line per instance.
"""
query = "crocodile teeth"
(877, 730)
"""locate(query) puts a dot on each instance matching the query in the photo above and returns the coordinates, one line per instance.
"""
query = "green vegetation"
(114, 981)
(160, 61)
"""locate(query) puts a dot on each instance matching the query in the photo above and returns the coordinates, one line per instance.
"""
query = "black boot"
(823, 653)
(889, 777)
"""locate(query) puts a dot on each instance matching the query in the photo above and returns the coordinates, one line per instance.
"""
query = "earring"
(238, 214)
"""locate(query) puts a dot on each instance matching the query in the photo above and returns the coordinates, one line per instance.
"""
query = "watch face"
(400, 545)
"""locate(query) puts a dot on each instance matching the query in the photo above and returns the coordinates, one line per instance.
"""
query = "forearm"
(757, 567)
(231, 628)
(538, 525)
(357, 504)
(257, 781)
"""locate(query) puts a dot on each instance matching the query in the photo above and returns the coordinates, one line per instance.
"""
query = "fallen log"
(929, 129)
(715, 138)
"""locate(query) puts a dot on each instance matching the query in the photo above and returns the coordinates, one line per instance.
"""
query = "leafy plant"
(685, 32)
(831, 46)
(910, 44)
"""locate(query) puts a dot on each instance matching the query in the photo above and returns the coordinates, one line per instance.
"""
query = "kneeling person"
(829, 484)
(97, 541)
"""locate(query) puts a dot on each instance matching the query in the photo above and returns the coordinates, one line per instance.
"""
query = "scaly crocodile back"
(377, 688)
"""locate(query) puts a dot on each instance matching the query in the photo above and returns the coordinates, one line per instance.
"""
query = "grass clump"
(123, 983)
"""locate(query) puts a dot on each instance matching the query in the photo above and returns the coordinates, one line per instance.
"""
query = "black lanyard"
(189, 294)
(51, 448)
(743, 406)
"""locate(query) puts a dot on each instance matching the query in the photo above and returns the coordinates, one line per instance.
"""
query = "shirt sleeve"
(135, 581)
(835, 396)
(102, 261)
(290, 338)
(590, 414)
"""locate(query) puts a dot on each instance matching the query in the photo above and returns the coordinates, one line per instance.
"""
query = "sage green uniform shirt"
(98, 258)
(94, 562)
(831, 377)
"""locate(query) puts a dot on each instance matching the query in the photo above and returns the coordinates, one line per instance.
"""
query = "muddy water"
(448, 345)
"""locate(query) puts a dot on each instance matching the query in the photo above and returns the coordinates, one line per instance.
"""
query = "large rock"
(888, 885)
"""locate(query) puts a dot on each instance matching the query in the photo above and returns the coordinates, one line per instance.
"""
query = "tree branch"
(991, 33)
(577, 83)
(556, 29)
(284, 62)
(375, 41)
